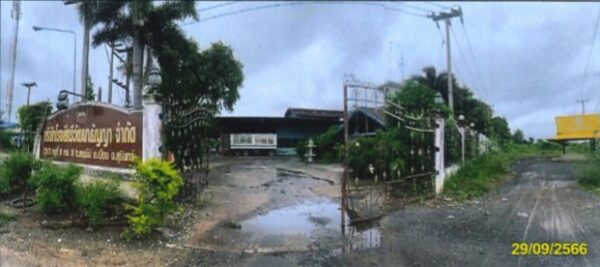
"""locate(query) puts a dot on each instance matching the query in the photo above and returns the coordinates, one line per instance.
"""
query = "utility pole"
(29, 85)
(582, 102)
(447, 16)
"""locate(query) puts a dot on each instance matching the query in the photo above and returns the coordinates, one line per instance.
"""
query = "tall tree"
(138, 20)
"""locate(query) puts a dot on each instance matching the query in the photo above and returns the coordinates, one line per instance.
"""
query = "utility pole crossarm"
(454, 12)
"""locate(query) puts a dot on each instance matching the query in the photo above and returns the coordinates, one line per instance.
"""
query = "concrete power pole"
(16, 15)
(582, 102)
(446, 16)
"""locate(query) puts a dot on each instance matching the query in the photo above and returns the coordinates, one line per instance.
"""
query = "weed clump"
(56, 187)
(588, 175)
(95, 198)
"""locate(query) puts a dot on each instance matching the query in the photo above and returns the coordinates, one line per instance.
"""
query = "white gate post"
(439, 154)
(152, 132)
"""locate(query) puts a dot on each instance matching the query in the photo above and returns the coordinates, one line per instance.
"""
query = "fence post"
(439, 154)
(151, 129)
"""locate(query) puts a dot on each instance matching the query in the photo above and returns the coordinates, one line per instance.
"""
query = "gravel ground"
(541, 203)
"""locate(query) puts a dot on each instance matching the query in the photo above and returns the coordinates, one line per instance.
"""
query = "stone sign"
(93, 134)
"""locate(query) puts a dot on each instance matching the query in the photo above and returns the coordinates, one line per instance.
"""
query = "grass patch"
(5, 218)
(481, 174)
(588, 175)
(477, 176)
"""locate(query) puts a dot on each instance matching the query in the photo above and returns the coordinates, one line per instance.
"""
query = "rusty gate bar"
(346, 152)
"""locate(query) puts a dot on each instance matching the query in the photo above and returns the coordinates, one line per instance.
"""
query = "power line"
(477, 68)
(437, 5)
(269, 6)
(587, 64)
(415, 7)
(217, 6)
(460, 51)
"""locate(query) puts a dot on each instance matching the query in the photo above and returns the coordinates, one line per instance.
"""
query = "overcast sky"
(529, 58)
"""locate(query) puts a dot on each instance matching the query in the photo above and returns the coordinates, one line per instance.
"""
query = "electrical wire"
(415, 7)
(475, 61)
(217, 6)
(269, 6)
(460, 51)
(587, 64)
(437, 5)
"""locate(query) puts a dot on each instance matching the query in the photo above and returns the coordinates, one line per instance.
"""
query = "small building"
(274, 135)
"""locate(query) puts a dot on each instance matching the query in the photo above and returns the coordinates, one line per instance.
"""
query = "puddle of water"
(310, 220)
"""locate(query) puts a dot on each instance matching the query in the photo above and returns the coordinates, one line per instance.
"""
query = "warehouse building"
(274, 135)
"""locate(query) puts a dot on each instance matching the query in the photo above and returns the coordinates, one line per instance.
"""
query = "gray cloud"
(531, 56)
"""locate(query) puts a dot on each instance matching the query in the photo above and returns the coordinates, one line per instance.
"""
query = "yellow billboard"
(577, 127)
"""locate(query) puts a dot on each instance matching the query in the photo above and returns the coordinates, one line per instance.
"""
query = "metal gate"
(186, 133)
(368, 198)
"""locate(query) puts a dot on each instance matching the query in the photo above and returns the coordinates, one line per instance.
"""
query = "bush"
(5, 138)
(477, 176)
(385, 151)
(588, 175)
(95, 198)
(56, 187)
(16, 171)
(158, 183)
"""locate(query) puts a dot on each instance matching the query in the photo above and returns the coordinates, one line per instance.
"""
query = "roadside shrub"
(588, 175)
(56, 187)
(477, 176)
(96, 197)
(158, 183)
(15, 171)
(5, 143)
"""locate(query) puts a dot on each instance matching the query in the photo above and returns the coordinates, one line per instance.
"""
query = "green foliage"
(95, 198)
(385, 152)
(158, 183)
(15, 171)
(301, 149)
(31, 117)
(481, 173)
(518, 137)
(6, 217)
(328, 147)
(500, 130)
(545, 145)
(477, 176)
(5, 140)
(452, 143)
(588, 174)
(56, 187)
(89, 89)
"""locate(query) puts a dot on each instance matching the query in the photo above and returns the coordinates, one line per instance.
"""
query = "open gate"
(367, 196)
(186, 130)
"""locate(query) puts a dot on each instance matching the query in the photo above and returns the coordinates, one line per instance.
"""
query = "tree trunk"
(87, 25)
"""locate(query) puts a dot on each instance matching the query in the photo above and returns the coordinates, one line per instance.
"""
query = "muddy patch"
(306, 226)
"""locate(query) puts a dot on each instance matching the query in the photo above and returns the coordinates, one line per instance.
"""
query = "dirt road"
(281, 212)
(542, 203)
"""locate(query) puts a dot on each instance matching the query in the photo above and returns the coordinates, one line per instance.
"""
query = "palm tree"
(139, 20)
